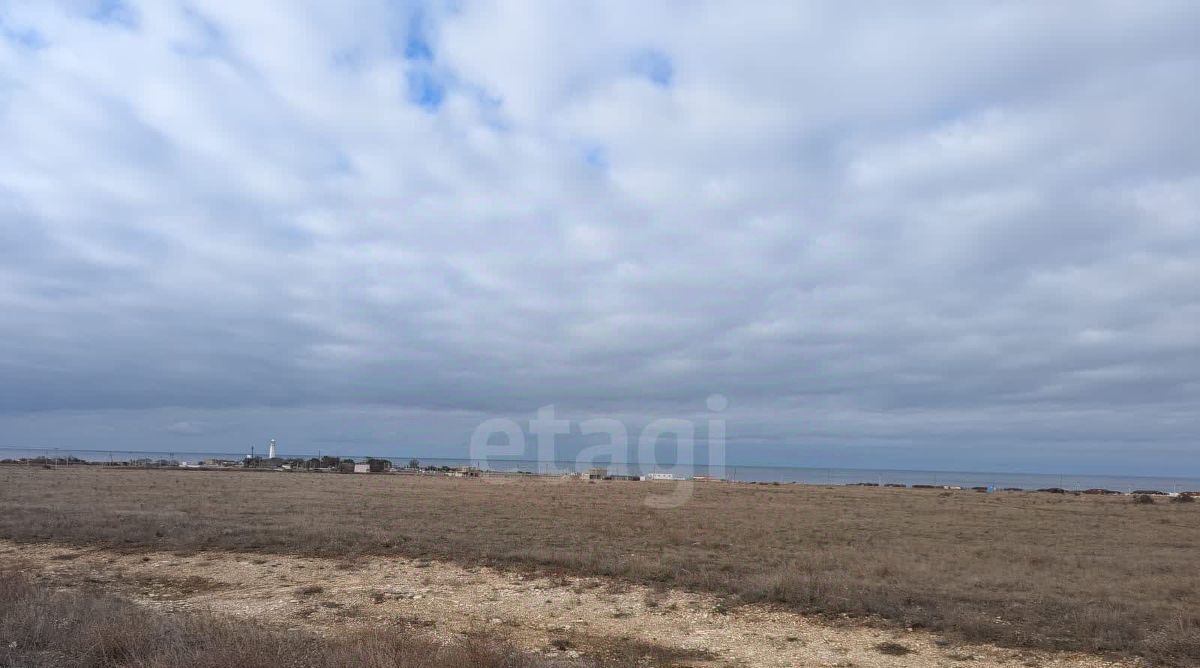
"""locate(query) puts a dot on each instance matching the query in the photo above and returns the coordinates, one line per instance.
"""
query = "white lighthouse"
(271, 450)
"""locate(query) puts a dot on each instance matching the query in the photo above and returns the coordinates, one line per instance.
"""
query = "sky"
(958, 234)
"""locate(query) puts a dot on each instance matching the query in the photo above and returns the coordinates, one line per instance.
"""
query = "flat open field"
(542, 620)
(1022, 570)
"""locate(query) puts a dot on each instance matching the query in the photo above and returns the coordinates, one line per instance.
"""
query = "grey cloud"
(948, 228)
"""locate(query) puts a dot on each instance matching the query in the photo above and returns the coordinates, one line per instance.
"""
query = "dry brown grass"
(1053, 571)
(42, 628)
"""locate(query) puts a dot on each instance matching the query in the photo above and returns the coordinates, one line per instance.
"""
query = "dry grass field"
(43, 628)
(1020, 569)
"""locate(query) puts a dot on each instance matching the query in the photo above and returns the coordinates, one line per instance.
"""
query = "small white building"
(661, 476)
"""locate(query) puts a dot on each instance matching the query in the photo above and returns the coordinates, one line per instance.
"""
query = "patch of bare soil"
(557, 616)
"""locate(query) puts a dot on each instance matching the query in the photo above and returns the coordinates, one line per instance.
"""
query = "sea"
(996, 480)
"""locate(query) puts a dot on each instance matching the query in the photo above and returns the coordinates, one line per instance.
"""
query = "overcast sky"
(960, 234)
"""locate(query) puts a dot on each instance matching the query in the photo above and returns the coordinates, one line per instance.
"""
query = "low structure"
(661, 476)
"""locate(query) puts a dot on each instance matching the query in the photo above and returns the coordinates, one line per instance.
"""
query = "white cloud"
(943, 220)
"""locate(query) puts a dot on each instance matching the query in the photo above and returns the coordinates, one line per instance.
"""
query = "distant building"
(661, 476)
(362, 468)
(597, 473)
(379, 465)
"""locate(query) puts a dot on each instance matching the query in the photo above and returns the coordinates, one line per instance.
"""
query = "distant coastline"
(832, 476)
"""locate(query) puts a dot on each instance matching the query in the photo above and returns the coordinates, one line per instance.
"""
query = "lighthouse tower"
(271, 450)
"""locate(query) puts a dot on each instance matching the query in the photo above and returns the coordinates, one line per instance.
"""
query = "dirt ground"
(570, 615)
(1055, 572)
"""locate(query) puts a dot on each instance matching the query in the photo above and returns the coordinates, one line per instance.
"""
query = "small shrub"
(892, 649)
(1143, 499)
(310, 590)
(560, 644)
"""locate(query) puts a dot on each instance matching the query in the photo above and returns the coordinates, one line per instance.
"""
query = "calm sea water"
(836, 476)
(781, 474)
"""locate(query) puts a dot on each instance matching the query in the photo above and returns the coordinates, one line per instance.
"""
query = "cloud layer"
(948, 230)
